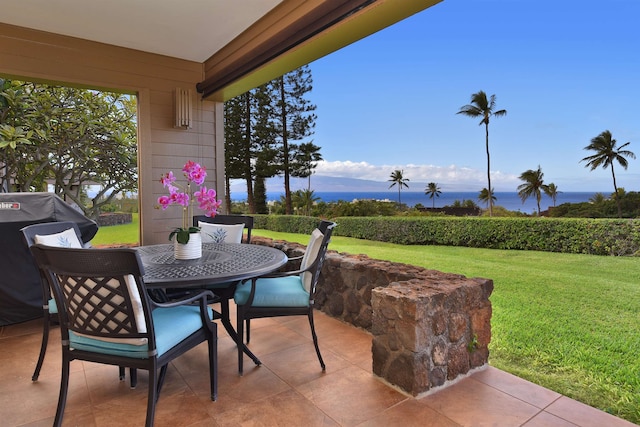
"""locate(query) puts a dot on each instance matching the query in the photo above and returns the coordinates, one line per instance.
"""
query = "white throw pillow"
(65, 239)
(310, 255)
(221, 233)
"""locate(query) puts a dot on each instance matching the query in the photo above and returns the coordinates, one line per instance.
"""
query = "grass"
(570, 323)
(118, 234)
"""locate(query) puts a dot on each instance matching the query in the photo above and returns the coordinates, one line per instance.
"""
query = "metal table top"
(220, 262)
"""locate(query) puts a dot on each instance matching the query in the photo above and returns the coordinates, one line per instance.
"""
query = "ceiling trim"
(294, 34)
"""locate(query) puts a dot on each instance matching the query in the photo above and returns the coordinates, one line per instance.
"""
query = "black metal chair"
(49, 307)
(109, 318)
(289, 293)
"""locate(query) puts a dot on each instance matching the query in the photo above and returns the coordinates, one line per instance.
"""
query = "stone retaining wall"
(114, 218)
(428, 327)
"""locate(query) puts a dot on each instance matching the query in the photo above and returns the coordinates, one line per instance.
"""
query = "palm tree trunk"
(486, 125)
(615, 189)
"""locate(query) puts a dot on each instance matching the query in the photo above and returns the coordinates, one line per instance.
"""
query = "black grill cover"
(20, 288)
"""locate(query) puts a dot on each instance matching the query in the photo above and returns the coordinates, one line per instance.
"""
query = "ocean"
(509, 200)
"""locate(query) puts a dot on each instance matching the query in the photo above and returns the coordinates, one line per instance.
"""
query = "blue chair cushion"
(53, 307)
(274, 292)
(172, 325)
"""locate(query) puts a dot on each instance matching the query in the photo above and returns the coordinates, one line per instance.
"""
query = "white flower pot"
(190, 250)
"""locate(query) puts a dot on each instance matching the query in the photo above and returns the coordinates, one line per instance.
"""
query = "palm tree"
(606, 153)
(397, 178)
(598, 199)
(481, 107)
(552, 191)
(432, 190)
(487, 197)
(533, 185)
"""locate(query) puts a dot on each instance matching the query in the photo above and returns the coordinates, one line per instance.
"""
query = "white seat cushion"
(221, 233)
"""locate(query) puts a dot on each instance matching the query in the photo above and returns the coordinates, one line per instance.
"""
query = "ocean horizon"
(508, 200)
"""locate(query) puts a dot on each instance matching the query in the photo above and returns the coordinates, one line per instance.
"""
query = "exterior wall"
(38, 56)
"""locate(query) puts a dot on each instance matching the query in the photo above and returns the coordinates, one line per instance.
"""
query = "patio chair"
(289, 293)
(108, 317)
(61, 234)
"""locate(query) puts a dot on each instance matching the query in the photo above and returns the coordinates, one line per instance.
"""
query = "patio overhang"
(294, 34)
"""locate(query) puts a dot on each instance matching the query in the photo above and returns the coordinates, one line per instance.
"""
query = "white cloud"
(447, 177)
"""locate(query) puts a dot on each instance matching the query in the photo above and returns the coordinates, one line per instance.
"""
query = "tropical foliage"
(488, 198)
(484, 108)
(432, 191)
(606, 154)
(397, 178)
(533, 186)
(69, 138)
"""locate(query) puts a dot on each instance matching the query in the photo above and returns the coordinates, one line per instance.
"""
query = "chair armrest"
(186, 300)
(278, 274)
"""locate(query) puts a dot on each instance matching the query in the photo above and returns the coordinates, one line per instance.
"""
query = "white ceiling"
(187, 29)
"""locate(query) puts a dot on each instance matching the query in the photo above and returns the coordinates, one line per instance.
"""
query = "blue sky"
(565, 71)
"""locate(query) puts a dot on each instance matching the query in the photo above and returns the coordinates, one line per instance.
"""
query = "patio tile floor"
(289, 389)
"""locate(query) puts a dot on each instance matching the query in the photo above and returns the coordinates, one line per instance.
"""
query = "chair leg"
(133, 376)
(315, 339)
(239, 337)
(64, 387)
(213, 362)
(152, 397)
(160, 382)
(43, 346)
(248, 330)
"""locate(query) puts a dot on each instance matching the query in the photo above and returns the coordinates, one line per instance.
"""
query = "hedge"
(618, 237)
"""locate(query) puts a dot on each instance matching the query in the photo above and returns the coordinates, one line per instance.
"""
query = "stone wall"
(113, 218)
(428, 327)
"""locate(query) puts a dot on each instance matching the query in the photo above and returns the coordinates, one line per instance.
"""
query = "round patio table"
(220, 263)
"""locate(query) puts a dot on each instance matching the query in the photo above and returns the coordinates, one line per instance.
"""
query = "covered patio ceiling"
(241, 43)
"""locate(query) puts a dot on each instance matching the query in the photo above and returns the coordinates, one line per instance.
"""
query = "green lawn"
(570, 323)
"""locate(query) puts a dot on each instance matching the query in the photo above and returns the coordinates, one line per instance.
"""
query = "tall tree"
(305, 160)
(485, 108)
(552, 191)
(265, 156)
(236, 157)
(487, 197)
(294, 119)
(606, 154)
(432, 191)
(397, 178)
(249, 144)
(533, 185)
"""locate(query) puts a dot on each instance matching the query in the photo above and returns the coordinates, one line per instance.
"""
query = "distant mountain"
(321, 183)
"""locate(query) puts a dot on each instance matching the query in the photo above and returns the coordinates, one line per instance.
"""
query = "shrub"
(567, 235)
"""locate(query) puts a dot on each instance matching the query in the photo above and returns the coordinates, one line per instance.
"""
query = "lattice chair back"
(102, 295)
